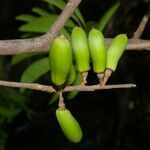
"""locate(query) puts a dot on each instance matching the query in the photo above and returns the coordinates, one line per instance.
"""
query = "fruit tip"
(77, 28)
(124, 34)
(62, 36)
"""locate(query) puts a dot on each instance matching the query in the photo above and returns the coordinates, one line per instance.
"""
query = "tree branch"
(14, 47)
(40, 44)
(50, 89)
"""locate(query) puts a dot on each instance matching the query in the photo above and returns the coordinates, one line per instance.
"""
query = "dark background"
(110, 119)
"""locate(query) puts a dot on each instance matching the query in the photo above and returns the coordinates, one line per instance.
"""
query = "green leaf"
(42, 24)
(19, 58)
(107, 16)
(40, 11)
(39, 25)
(77, 81)
(79, 15)
(61, 5)
(25, 18)
(35, 70)
(57, 3)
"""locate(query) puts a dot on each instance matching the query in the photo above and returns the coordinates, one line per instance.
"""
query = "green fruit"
(80, 49)
(69, 125)
(60, 57)
(71, 76)
(98, 51)
(115, 51)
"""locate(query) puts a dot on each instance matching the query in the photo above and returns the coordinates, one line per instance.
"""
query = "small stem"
(100, 77)
(107, 74)
(84, 75)
(61, 103)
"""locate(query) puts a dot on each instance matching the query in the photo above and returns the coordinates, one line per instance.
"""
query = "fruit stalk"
(101, 77)
(107, 75)
(84, 77)
(61, 103)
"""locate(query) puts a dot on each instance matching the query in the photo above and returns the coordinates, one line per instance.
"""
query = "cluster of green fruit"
(81, 48)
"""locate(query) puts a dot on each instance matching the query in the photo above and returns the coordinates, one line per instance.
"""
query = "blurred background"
(111, 119)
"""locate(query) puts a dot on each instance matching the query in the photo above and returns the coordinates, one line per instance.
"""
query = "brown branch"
(135, 44)
(98, 87)
(50, 89)
(14, 47)
(31, 86)
(41, 44)
(142, 25)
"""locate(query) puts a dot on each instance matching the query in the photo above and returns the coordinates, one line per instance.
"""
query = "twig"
(142, 25)
(50, 89)
(14, 47)
(31, 86)
(98, 87)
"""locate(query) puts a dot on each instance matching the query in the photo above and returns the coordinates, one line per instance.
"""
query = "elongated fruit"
(80, 49)
(98, 51)
(115, 51)
(71, 76)
(60, 57)
(69, 125)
